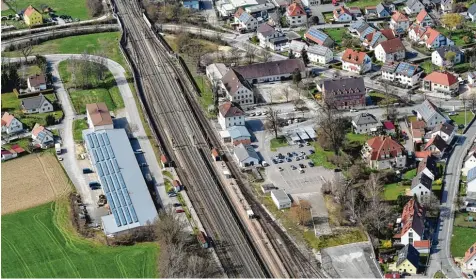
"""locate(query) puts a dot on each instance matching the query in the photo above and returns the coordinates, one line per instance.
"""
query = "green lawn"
(207, 96)
(320, 158)
(40, 242)
(428, 67)
(393, 190)
(456, 35)
(351, 236)
(410, 174)
(360, 138)
(363, 3)
(73, 8)
(381, 98)
(461, 219)
(108, 42)
(336, 34)
(78, 126)
(462, 239)
(459, 118)
(278, 142)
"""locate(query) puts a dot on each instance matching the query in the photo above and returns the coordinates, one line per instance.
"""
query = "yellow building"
(32, 16)
(407, 262)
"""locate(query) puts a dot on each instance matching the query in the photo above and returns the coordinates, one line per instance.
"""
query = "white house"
(471, 182)
(431, 114)
(402, 72)
(445, 130)
(469, 259)
(36, 104)
(238, 90)
(390, 50)
(383, 152)
(436, 146)
(230, 115)
(266, 32)
(412, 223)
(356, 61)
(424, 19)
(245, 21)
(438, 57)
(441, 82)
(36, 82)
(429, 167)
(320, 54)
(399, 23)
(434, 39)
(295, 15)
(342, 14)
(215, 73)
(10, 124)
(246, 155)
(297, 47)
(446, 6)
(413, 7)
(99, 117)
(280, 199)
(421, 185)
(469, 162)
(365, 123)
(42, 137)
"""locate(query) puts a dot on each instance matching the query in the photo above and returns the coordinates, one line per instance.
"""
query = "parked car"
(452, 113)
(275, 161)
(311, 164)
(302, 166)
(143, 165)
(289, 159)
(264, 164)
(301, 171)
(461, 126)
(280, 169)
(353, 110)
(172, 194)
(87, 170)
(179, 210)
(311, 151)
(293, 167)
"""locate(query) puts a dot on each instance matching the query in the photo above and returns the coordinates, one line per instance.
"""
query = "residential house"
(429, 167)
(441, 82)
(438, 57)
(412, 223)
(365, 123)
(421, 185)
(215, 73)
(431, 114)
(422, 246)
(318, 37)
(36, 82)
(373, 39)
(191, 4)
(371, 11)
(388, 127)
(469, 162)
(382, 11)
(413, 7)
(36, 104)
(383, 152)
(434, 39)
(99, 117)
(436, 145)
(230, 115)
(402, 72)
(246, 155)
(265, 33)
(399, 23)
(280, 199)
(418, 131)
(237, 135)
(320, 54)
(344, 92)
(32, 16)
(297, 47)
(469, 260)
(390, 50)
(408, 260)
(280, 43)
(8, 155)
(271, 71)
(295, 15)
(226, 10)
(342, 14)
(445, 130)
(361, 28)
(355, 12)
(447, 6)
(10, 124)
(472, 12)
(471, 78)
(237, 88)
(424, 19)
(471, 182)
(416, 32)
(310, 3)
(245, 21)
(356, 61)
(42, 137)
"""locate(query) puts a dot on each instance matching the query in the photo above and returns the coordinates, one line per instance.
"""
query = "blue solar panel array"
(317, 35)
(244, 17)
(111, 179)
(367, 31)
(406, 69)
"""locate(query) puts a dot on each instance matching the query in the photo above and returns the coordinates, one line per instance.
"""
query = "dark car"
(289, 159)
(311, 151)
(302, 166)
(87, 170)
(461, 126)
(275, 161)
(177, 204)
(311, 164)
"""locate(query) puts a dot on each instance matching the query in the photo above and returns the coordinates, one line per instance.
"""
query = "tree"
(452, 21)
(356, 171)
(95, 7)
(50, 120)
(183, 42)
(330, 127)
(272, 122)
(302, 212)
(305, 57)
(291, 54)
(314, 20)
(250, 53)
(449, 58)
(265, 55)
(431, 203)
(373, 189)
(13, 77)
(297, 76)
(26, 50)
(286, 92)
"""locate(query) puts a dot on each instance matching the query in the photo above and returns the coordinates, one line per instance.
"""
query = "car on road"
(298, 158)
(60, 158)
(87, 170)
(293, 167)
(280, 160)
(143, 165)
(302, 166)
(295, 153)
(275, 161)
(289, 159)
(258, 113)
(310, 164)
(179, 210)
(264, 113)
(301, 145)
(280, 169)
(252, 114)
(172, 194)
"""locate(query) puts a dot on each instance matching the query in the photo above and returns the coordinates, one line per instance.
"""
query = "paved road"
(441, 257)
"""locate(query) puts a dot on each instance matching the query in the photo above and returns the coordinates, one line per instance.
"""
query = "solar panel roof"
(317, 35)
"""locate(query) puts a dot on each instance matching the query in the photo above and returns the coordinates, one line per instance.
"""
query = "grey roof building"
(284, 68)
(281, 199)
(409, 253)
(431, 114)
(246, 155)
(444, 49)
(35, 102)
(121, 178)
(364, 123)
(265, 29)
(422, 179)
(318, 50)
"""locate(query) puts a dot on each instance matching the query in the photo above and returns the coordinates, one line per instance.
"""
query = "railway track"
(183, 140)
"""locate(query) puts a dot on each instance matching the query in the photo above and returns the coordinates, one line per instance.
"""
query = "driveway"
(409, 142)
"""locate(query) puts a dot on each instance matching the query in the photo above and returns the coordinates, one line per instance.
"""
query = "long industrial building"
(129, 200)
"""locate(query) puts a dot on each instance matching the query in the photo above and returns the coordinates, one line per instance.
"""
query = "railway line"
(184, 142)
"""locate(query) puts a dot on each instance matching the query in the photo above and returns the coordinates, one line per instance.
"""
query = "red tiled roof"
(388, 125)
(392, 275)
(431, 35)
(229, 110)
(163, 159)
(388, 33)
(412, 216)
(470, 253)
(398, 16)
(418, 133)
(446, 79)
(421, 244)
(341, 10)
(421, 16)
(29, 11)
(353, 56)
(6, 152)
(422, 154)
(418, 124)
(383, 145)
(17, 148)
(295, 9)
(392, 46)
(239, 12)
(37, 130)
(7, 119)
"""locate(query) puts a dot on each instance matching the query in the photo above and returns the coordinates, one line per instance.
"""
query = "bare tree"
(272, 122)
(286, 92)
(330, 127)
(352, 204)
(431, 203)
(250, 53)
(265, 55)
(373, 189)
(26, 50)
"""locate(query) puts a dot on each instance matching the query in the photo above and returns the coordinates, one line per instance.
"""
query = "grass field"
(393, 190)
(40, 242)
(32, 180)
(462, 220)
(459, 118)
(363, 3)
(410, 174)
(78, 126)
(73, 8)
(320, 158)
(462, 239)
(382, 99)
(278, 142)
(336, 34)
(360, 138)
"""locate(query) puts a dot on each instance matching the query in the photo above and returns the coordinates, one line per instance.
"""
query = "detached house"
(365, 123)
(436, 146)
(412, 223)
(318, 37)
(10, 124)
(230, 115)
(441, 82)
(445, 130)
(356, 61)
(32, 16)
(390, 50)
(320, 54)
(423, 19)
(408, 260)
(431, 114)
(429, 167)
(382, 11)
(399, 23)
(471, 182)
(296, 15)
(37, 104)
(469, 259)
(270, 38)
(342, 14)
(413, 7)
(469, 162)
(42, 137)
(237, 88)
(402, 72)
(446, 6)
(373, 39)
(36, 83)
(361, 28)
(418, 130)
(421, 185)
(383, 152)
(297, 47)
(434, 39)
(246, 155)
(99, 117)
(245, 21)
(438, 57)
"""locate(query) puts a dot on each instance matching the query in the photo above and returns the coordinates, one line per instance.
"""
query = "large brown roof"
(233, 80)
(413, 216)
(99, 114)
(272, 68)
(392, 46)
(353, 56)
(384, 145)
(229, 110)
(37, 80)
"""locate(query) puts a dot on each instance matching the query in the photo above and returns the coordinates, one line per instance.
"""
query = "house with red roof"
(10, 124)
(356, 61)
(230, 115)
(390, 50)
(441, 82)
(417, 128)
(14, 151)
(422, 246)
(342, 14)
(296, 15)
(42, 137)
(436, 146)
(429, 37)
(412, 223)
(469, 259)
(399, 23)
(423, 19)
(388, 127)
(383, 152)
